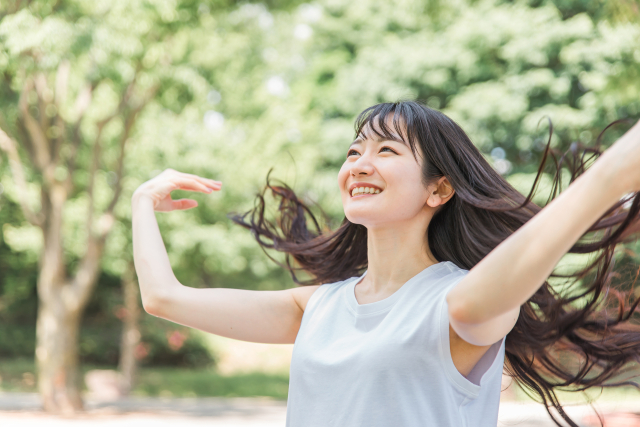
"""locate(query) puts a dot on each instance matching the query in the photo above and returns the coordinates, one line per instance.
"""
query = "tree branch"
(83, 100)
(8, 145)
(45, 97)
(62, 79)
(96, 153)
(95, 162)
(84, 280)
(129, 123)
(37, 136)
(23, 139)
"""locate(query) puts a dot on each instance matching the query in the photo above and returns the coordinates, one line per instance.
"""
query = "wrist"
(140, 198)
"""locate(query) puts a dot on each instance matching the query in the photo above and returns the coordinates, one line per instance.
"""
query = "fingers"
(194, 185)
(183, 204)
(206, 181)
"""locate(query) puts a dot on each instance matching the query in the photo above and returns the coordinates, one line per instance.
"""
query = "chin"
(362, 217)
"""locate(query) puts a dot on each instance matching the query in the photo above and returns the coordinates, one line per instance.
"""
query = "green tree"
(76, 77)
(100, 97)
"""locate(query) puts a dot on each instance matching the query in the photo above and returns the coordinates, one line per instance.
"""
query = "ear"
(440, 192)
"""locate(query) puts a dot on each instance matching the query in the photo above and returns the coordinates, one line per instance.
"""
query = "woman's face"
(387, 166)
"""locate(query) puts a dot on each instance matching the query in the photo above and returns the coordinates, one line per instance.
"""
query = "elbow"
(465, 313)
(150, 305)
(460, 311)
(154, 304)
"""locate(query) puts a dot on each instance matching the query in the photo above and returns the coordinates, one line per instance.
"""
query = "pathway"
(23, 410)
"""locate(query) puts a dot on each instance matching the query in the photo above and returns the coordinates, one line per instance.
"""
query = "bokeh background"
(97, 97)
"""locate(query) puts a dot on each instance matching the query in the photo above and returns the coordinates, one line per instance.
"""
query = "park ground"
(247, 388)
(22, 410)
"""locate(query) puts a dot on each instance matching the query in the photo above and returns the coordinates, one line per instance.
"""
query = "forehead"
(380, 128)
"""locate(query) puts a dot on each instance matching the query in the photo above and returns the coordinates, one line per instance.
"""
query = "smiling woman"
(430, 287)
(455, 282)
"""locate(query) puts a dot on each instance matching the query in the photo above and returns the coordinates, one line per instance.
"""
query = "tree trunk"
(59, 311)
(130, 332)
(61, 303)
(57, 357)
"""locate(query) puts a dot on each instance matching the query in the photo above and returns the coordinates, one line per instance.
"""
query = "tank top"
(388, 363)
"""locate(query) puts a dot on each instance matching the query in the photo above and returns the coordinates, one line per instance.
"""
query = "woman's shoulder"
(455, 276)
(302, 294)
(454, 272)
(444, 279)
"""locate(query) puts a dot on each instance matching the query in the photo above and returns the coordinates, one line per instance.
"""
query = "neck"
(396, 253)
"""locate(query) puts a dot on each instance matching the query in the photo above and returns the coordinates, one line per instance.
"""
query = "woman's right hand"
(159, 189)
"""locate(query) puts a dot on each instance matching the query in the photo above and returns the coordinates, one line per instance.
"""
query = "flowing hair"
(570, 339)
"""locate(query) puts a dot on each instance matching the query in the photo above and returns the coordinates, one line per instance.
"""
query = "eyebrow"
(379, 139)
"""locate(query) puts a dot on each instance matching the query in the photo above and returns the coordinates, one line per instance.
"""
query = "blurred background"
(98, 97)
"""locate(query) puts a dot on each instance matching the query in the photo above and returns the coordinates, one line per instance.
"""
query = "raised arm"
(257, 316)
(485, 305)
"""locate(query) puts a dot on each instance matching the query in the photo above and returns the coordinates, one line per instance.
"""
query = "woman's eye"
(383, 148)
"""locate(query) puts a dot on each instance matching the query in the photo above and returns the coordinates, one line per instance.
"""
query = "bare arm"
(257, 316)
(485, 305)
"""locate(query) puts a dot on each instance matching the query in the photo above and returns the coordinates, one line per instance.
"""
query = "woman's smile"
(364, 191)
(363, 188)
(359, 195)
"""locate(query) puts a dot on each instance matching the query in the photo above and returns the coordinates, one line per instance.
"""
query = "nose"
(362, 166)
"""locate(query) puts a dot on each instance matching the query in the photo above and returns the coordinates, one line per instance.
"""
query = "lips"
(368, 187)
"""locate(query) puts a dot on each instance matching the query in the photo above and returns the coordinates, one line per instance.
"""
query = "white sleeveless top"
(388, 363)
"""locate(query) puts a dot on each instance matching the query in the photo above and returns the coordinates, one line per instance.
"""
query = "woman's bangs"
(375, 119)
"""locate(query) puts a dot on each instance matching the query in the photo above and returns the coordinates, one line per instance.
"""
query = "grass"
(18, 375)
(174, 382)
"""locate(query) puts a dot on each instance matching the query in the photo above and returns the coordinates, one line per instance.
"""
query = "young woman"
(457, 263)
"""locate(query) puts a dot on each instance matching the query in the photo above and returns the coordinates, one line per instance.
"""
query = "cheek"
(343, 174)
(408, 190)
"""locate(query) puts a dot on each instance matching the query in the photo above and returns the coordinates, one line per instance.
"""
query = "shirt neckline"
(384, 304)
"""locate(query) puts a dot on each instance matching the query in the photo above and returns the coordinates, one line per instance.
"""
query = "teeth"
(364, 190)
